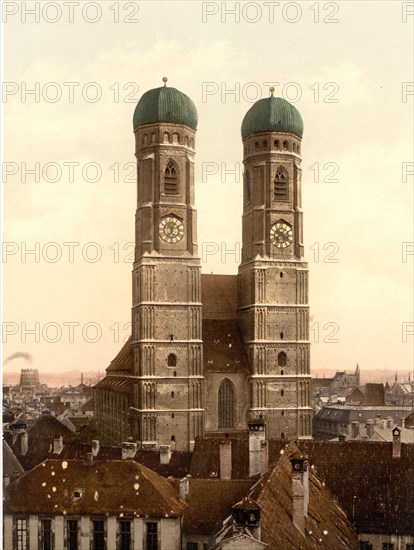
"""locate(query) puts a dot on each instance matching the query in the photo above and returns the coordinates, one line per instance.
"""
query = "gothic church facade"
(208, 353)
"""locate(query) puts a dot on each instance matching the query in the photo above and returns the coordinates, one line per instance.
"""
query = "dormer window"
(171, 179)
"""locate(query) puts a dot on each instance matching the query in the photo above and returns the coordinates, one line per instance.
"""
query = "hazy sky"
(343, 65)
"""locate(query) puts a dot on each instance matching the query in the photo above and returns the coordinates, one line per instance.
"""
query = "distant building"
(334, 420)
(29, 378)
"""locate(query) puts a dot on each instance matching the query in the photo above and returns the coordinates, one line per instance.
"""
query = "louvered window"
(171, 179)
(281, 185)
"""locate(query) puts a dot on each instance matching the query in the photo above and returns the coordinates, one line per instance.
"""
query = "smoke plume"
(18, 355)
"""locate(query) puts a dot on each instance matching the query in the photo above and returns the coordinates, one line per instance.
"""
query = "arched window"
(166, 137)
(172, 360)
(256, 145)
(171, 179)
(294, 147)
(282, 359)
(145, 139)
(285, 146)
(176, 138)
(282, 393)
(226, 405)
(281, 185)
(186, 141)
(276, 144)
(247, 185)
(264, 144)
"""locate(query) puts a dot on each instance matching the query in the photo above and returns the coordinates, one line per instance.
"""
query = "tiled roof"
(123, 362)
(326, 525)
(206, 455)
(374, 395)
(321, 382)
(40, 440)
(11, 463)
(219, 296)
(210, 502)
(375, 489)
(105, 487)
(179, 465)
(121, 384)
(223, 346)
(89, 405)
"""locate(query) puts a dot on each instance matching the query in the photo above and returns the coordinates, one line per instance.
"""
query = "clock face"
(171, 229)
(281, 235)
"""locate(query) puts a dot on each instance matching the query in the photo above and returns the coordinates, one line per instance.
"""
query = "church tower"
(273, 276)
(166, 310)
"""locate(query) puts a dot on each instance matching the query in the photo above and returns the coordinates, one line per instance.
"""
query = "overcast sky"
(347, 67)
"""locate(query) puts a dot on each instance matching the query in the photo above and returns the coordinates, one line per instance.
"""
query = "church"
(211, 353)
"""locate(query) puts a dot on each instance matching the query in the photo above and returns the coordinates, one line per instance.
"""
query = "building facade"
(210, 352)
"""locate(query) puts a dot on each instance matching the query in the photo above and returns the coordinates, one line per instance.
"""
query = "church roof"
(219, 296)
(123, 360)
(165, 104)
(272, 114)
(119, 384)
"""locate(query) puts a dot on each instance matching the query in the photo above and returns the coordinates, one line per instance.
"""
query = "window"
(72, 531)
(247, 185)
(172, 360)
(98, 533)
(226, 405)
(152, 536)
(166, 137)
(282, 359)
(21, 534)
(46, 534)
(409, 547)
(387, 546)
(125, 538)
(281, 185)
(282, 393)
(192, 546)
(363, 545)
(285, 146)
(276, 144)
(171, 179)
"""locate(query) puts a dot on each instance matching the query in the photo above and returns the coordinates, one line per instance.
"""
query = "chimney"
(165, 454)
(401, 422)
(257, 435)
(184, 487)
(57, 445)
(95, 447)
(264, 457)
(370, 427)
(300, 492)
(128, 449)
(24, 443)
(341, 437)
(389, 422)
(225, 460)
(88, 459)
(355, 429)
(396, 443)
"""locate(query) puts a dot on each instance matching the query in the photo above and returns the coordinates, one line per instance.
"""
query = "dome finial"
(165, 80)
(272, 89)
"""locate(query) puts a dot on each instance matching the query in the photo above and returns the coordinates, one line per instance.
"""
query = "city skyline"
(357, 230)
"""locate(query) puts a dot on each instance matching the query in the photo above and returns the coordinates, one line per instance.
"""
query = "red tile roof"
(210, 502)
(375, 489)
(123, 362)
(105, 487)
